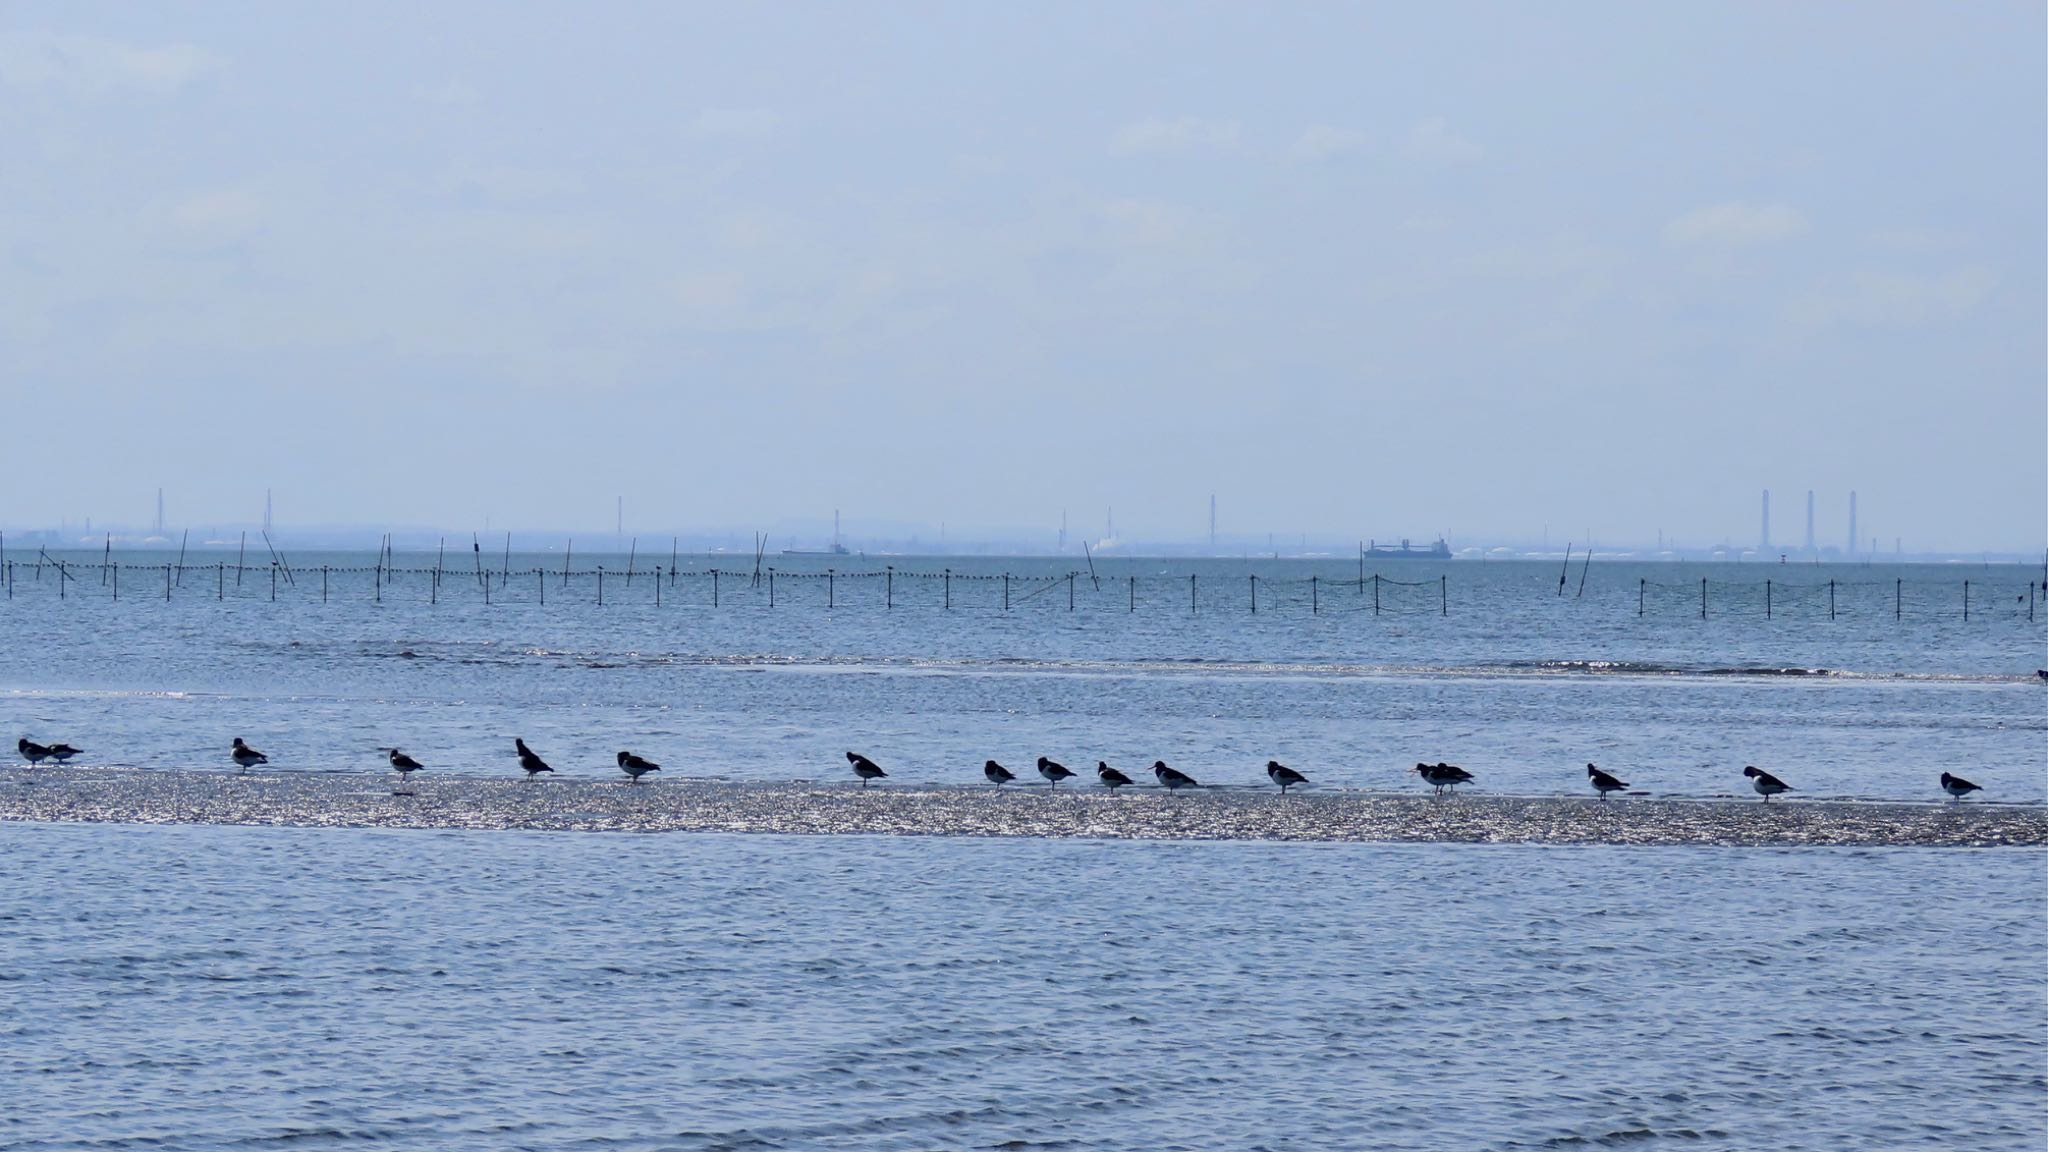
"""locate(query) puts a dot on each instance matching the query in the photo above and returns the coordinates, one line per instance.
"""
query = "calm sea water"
(1482, 664)
(184, 987)
(191, 987)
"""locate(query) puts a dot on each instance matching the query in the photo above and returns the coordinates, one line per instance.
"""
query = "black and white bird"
(31, 751)
(1766, 785)
(1284, 776)
(997, 774)
(246, 756)
(1957, 787)
(405, 766)
(1440, 776)
(533, 764)
(1173, 778)
(636, 766)
(63, 752)
(1110, 777)
(864, 768)
(1053, 770)
(1604, 783)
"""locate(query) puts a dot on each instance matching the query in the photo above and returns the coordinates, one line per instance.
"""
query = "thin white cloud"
(85, 67)
(735, 123)
(1187, 134)
(1891, 300)
(1433, 141)
(1324, 142)
(1735, 224)
(449, 94)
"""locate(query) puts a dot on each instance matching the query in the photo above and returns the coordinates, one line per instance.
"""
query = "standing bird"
(31, 751)
(997, 774)
(1173, 778)
(1441, 775)
(405, 766)
(1604, 783)
(1284, 776)
(635, 766)
(1110, 777)
(1053, 770)
(1957, 787)
(246, 756)
(62, 752)
(533, 764)
(1766, 785)
(864, 768)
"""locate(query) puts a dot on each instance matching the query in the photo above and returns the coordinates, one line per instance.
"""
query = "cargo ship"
(1407, 551)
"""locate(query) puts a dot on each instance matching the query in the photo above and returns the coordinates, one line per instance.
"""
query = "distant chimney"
(1810, 547)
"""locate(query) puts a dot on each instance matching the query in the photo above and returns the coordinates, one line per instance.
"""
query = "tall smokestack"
(1809, 520)
(1765, 546)
(1852, 522)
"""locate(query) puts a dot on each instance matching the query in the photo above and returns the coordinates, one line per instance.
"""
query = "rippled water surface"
(1481, 664)
(220, 987)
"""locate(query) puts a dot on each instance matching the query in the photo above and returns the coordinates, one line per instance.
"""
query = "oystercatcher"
(1604, 783)
(864, 768)
(1110, 777)
(1441, 775)
(405, 766)
(1284, 776)
(1766, 785)
(636, 766)
(31, 751)
(533, 764)
(1173, 778)
(997, 774)
(1957, 787)
(246, 756)
(1053, 770)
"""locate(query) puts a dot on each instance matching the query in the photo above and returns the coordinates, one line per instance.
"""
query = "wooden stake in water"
(567, 552)
(1070, 591)
(1255, 594)
(182, 541)
(1443, 592)
(1583, 569)
(1703, 597)
(714, 587)
(1315, 602)
(1767, 600)
(1566, 570)
(106, 557)
(674, 544)
(600, 584)
(505, 576)
(1191, 593)
(1089, 553)
(630, 554)
(476, 549)
(830, 596)
(949, 589)
(241, 554)
(889, 587)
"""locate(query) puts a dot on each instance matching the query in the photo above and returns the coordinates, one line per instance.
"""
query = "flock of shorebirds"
(1440, 777)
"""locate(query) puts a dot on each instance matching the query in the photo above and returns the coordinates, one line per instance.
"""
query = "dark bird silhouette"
(1604, 783)
(62, 752)
(533, 764)
(31, 751)
(1957, 787)
(1173, 778)
(1110, 777)
(1766, 785)
(1440, 775)
(864, 768)
(1053, 770)
(1284, 776)
(997, 774)
(405, 766)
(636, 766)
(246, 756)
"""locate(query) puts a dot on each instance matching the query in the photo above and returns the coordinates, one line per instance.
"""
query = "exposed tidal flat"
(361, 800)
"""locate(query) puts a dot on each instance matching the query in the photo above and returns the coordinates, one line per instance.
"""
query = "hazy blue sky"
(1366, 269)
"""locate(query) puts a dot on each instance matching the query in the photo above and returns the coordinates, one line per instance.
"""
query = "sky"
(1372, 270)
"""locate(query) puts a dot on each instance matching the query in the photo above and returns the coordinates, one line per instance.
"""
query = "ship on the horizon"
(1407, 551)
(837, 549)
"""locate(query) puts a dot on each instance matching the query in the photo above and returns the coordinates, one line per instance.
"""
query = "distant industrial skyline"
(1213, 535)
